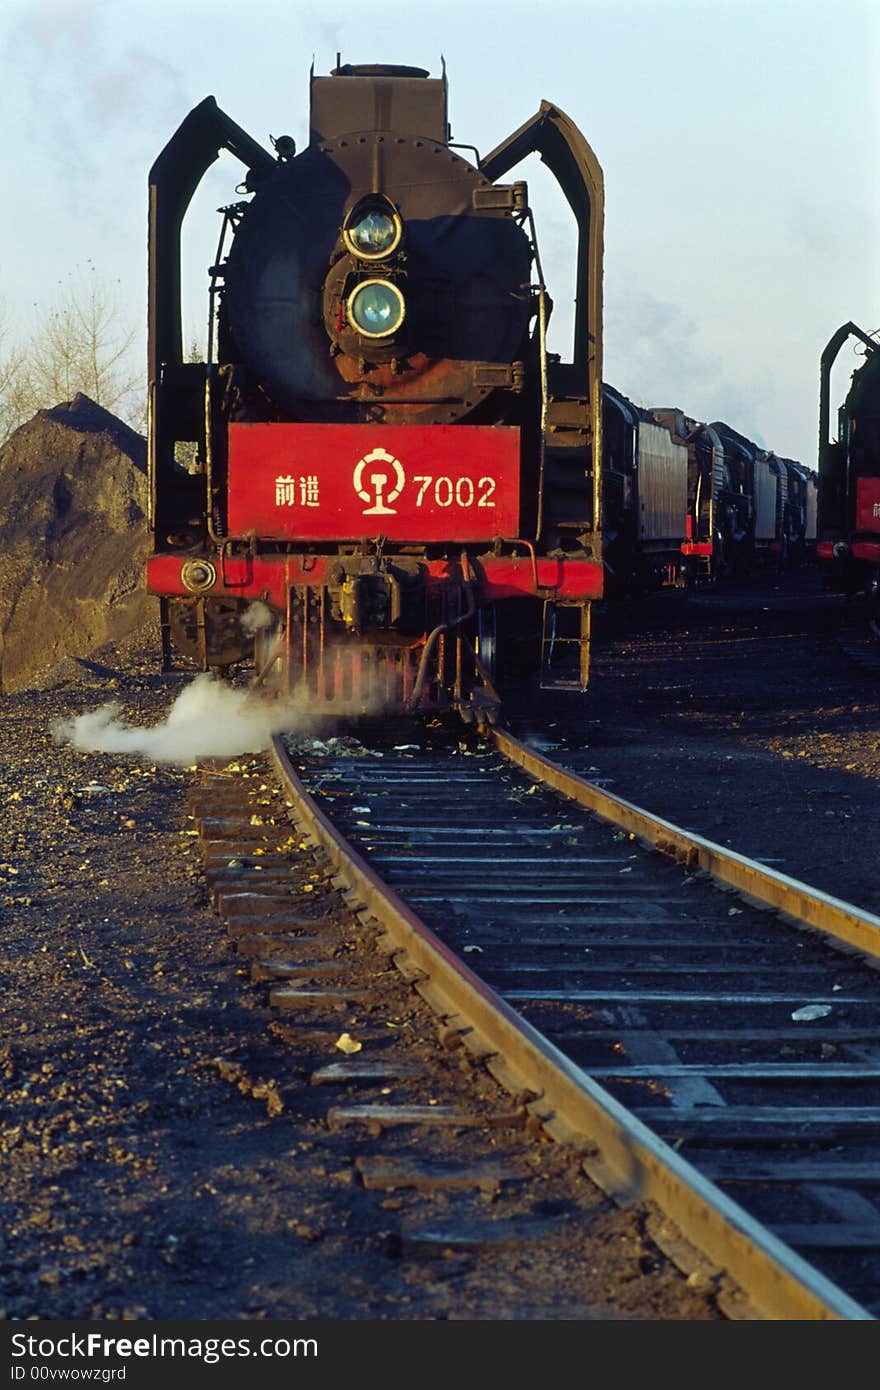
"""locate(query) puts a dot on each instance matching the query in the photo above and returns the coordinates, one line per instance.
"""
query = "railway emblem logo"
(385, 479)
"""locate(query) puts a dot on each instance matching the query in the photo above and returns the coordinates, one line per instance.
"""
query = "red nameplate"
(407, 482)
(867, 504)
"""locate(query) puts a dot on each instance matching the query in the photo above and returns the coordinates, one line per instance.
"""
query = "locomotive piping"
(431, 642)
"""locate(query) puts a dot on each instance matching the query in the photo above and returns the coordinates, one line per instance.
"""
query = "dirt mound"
(73, 538)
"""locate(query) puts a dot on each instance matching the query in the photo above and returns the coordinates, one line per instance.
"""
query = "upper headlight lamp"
(372, 232)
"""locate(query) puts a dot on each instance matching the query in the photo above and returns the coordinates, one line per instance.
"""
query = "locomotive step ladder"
(565, 645)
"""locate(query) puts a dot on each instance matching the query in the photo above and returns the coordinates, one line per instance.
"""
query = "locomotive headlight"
(372, 232)
(376, 308)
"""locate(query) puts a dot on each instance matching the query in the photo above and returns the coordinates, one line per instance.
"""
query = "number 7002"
(464, 492)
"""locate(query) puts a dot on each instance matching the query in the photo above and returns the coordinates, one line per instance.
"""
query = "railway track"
(690, 1048)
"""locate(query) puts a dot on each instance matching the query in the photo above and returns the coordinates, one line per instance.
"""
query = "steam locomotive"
(849, 476)
(380, 488)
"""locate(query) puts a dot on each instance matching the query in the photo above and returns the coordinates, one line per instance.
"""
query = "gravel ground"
(738, 715)
(164, 1155)
(144, 1174)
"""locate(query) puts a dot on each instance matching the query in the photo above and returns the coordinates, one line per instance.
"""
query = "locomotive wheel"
(486, 643)
(518, 640)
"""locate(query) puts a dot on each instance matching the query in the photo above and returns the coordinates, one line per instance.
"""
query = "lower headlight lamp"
(376, 308)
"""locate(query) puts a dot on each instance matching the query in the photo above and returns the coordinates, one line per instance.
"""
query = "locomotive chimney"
(378, 97)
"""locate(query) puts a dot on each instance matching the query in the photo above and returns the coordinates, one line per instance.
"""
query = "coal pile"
(73, 539)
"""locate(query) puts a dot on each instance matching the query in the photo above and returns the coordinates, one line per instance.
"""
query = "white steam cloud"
(207, 720)
(256, 617)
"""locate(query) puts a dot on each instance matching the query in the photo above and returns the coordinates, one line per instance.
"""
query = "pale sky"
(740, 144)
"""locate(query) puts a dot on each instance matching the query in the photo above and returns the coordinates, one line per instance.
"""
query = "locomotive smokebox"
(379, 275)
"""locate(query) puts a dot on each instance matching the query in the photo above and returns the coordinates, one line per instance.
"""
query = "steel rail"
(621, 1153)
(801, 904)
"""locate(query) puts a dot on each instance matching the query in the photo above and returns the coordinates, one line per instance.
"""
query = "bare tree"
(13, 409)
(80, 344)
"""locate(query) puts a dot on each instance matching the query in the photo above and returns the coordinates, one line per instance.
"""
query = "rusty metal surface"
(378, 96)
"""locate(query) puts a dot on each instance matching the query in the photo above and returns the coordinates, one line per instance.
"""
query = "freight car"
(717, 520)
(765, 505)
(848, 543)
(644, 498)
(800, 517)
(380, 488)
(687, 503)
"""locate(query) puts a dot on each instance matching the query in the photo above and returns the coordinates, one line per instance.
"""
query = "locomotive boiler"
(379, 489)
(848, 543)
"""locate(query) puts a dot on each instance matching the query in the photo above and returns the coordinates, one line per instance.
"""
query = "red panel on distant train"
(867, 504)
(406, 482)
